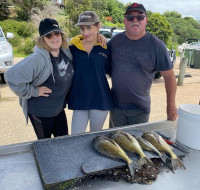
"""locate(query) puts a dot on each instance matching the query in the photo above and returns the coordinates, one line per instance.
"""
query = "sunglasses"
(50, 35)
(131, 17)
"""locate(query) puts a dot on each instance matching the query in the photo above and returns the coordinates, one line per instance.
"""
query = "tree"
(73, 8)
(194, 23)
(159, 26)
(149, 13)
(4, 10)
(100, 7)
(184, 28)
(173, 14)
(24, 7)
(116, 10)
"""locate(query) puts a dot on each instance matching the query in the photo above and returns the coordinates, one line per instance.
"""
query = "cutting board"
(60, 160)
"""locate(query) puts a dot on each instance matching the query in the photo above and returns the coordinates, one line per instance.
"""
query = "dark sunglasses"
(131, 17)
(50, 35)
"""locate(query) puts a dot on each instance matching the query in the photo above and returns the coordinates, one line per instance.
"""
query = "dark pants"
(120, 117)
(46, 126)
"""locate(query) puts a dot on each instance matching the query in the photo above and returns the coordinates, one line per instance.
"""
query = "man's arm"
(170, 86)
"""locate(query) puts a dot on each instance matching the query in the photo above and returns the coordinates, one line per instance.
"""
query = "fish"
(161, 145)
(128, 143)
(110, 148)
(146, 145)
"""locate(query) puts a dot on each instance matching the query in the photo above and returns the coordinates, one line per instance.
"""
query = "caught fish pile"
(146, 145)
(111, 149)
(128, 143)
(161, 145)
(120, 144)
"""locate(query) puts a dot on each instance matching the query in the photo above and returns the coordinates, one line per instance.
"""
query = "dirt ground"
(14, 129)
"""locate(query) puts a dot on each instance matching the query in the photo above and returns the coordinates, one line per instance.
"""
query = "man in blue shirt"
(136, 56)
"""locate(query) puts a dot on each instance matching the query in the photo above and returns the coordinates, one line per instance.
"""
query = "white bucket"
(188, 129)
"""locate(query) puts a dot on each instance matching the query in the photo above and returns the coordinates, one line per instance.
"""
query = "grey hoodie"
(24, 77)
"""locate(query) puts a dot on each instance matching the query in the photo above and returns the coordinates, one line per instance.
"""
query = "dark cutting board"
(60, 159)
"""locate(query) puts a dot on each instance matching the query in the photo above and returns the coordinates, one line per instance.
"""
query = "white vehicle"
(6, 53)
(108, 33)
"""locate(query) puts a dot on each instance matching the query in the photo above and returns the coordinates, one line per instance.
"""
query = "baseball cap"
(48, 25)
(87, 18)
(135, 7)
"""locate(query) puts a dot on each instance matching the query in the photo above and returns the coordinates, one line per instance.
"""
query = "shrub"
(27, 46)
(16, 41)
(23, 35)
(110, 24)
(23, 29)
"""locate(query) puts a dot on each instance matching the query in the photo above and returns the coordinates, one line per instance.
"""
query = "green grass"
(17, 54)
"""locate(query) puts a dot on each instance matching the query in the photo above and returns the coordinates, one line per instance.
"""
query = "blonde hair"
(42, 44)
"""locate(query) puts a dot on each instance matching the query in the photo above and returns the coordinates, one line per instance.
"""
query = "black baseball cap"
(135, 7)
(87, 18)
(48, 25)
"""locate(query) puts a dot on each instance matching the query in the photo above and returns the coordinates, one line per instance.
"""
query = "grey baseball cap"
(87, 18)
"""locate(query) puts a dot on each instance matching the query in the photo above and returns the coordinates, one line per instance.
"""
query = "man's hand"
(44, 91)
(102, 40)
(172, 113)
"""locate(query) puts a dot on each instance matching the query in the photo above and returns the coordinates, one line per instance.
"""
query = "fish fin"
(163, 158)
(177, 163)
(145, 160)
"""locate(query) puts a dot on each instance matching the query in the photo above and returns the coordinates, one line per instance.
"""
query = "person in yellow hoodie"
(90, 96)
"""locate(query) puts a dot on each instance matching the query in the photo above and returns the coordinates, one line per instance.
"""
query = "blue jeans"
(120, 117)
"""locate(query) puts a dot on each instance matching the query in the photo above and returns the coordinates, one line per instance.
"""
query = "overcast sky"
(184, 7)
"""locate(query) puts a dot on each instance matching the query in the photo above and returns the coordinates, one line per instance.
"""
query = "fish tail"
(132, 168)
(163, 158)
(150, 163)
(136, 165)
(177, 163)
(144, 160)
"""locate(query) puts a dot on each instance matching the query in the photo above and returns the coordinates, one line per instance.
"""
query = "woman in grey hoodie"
(42, 81)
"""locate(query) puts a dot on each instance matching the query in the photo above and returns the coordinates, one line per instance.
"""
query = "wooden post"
(181, 57)
(183, 66)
